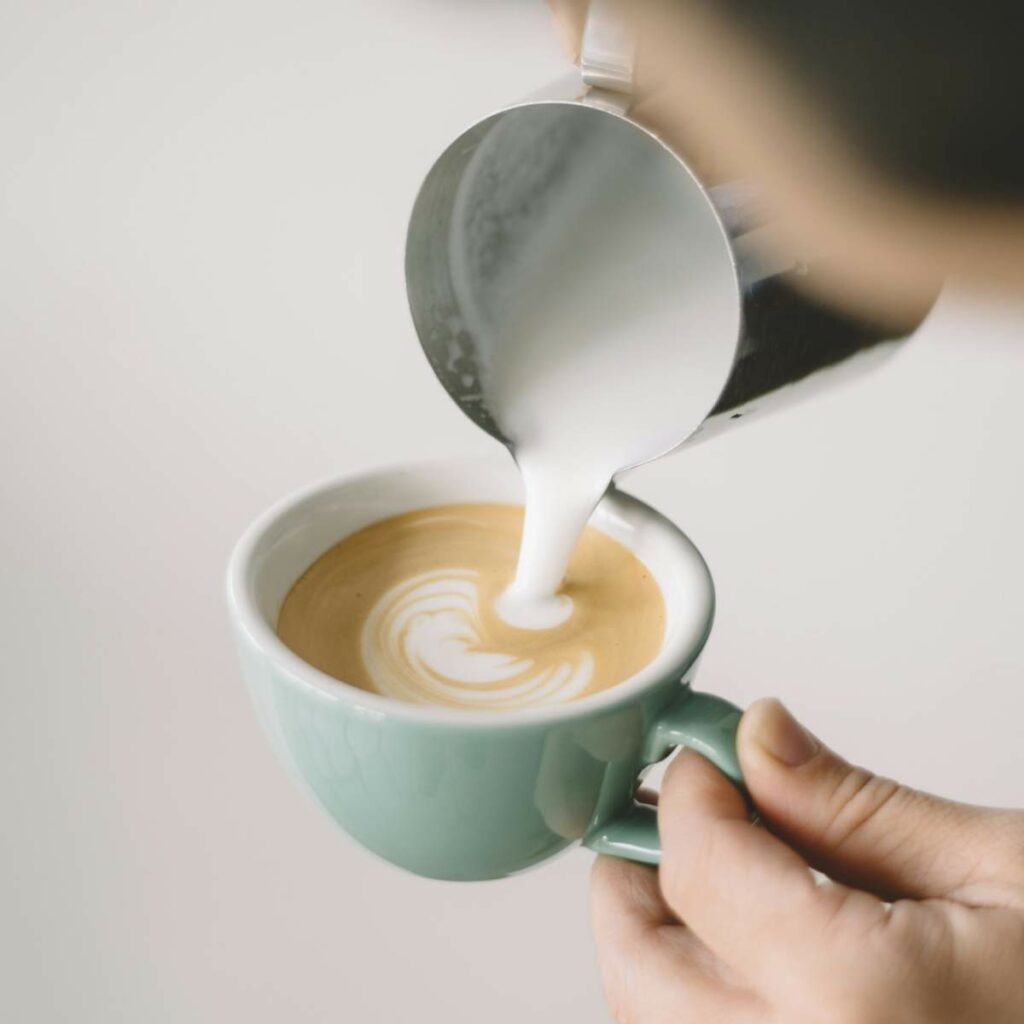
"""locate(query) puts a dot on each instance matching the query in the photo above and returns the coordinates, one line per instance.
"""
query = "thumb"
(569, 18)
(865, 830)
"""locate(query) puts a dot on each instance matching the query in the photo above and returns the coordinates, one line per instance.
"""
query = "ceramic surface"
(468, 795)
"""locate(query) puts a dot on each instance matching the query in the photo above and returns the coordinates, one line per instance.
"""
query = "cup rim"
(248, 618)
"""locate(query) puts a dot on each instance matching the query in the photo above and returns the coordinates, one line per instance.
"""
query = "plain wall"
(202, 216)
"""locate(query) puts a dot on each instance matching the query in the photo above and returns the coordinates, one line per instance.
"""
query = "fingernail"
(781, 736)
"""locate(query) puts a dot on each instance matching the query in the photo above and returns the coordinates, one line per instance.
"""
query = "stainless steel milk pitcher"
(495, 188)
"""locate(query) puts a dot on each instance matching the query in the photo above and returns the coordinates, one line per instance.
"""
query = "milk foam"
(407, 607)
(423, 642)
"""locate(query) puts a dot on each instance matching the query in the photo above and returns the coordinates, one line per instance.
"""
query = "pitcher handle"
(608, 49)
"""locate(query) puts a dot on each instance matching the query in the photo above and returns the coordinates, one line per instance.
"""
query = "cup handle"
(700, 721)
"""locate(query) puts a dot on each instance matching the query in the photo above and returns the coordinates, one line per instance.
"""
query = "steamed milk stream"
(582, 335)
(584, 367)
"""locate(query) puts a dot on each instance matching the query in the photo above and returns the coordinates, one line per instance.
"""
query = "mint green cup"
(470, 795)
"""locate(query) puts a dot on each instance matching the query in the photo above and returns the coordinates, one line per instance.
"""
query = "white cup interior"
(287, 539)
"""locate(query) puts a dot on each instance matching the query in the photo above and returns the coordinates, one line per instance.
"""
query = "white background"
(202, 213)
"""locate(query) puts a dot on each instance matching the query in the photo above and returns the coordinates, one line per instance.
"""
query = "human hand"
(739, 106)
(924, 923)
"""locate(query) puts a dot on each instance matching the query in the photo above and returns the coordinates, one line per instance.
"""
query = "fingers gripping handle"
(700, 721)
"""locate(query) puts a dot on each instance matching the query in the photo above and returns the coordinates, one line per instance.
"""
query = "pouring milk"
(581, 337)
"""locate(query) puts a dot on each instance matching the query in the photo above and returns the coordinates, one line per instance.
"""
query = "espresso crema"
(407, 608)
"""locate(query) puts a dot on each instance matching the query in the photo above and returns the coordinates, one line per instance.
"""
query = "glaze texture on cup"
(447, 793)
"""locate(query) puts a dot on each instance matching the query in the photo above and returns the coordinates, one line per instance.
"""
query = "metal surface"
(515, 164)
(607, 49)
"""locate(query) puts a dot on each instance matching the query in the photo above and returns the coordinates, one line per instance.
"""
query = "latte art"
(409, 608)
(425, 641)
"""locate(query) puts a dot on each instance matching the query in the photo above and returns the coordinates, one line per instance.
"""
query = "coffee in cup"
(455, 792)
(409, 607)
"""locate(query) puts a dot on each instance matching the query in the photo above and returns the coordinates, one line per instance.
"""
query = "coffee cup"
(463, 794)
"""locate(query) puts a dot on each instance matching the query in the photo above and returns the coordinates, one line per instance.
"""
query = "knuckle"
(858, 799)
